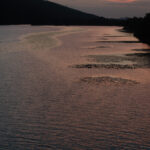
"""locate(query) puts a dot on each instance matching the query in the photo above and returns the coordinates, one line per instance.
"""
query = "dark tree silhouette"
(140, 27)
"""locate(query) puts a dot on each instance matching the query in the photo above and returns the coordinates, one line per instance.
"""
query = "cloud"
(122, 1)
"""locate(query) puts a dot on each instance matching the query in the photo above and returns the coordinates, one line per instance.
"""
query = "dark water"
(44, 106)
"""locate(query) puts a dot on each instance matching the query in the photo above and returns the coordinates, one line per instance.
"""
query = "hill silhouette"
(42, 12)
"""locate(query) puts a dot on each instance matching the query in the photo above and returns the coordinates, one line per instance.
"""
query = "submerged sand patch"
(106, 66)
(115, 36)
(142, 50)
(108, 58)
(127, 42)
(127, 61)
(97, 47)
(105, 80)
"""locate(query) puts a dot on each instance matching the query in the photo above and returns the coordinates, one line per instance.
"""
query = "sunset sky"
(110, 8)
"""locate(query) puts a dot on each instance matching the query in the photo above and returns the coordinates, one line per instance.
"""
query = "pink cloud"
(122, 1)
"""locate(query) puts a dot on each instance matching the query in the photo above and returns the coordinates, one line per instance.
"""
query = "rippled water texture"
(73, 88)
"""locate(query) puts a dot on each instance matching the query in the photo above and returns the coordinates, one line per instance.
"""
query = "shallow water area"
(47, 102)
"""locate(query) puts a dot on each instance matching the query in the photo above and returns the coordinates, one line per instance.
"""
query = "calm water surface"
(45, 103)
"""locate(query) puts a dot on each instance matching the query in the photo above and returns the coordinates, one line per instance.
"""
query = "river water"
(73, 88)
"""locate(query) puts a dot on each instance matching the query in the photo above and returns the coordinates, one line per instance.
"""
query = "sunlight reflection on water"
(43, 104)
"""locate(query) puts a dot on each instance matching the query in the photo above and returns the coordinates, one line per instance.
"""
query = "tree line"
(140, 27)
